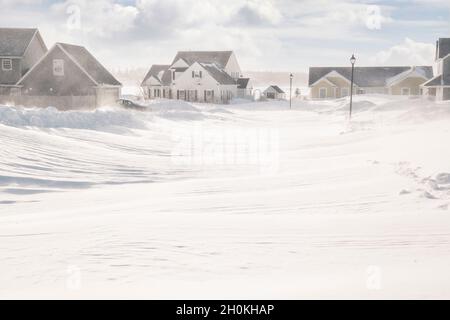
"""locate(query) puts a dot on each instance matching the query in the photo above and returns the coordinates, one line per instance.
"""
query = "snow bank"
(52, 118)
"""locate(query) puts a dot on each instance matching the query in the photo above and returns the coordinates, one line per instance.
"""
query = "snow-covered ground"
(241, 201)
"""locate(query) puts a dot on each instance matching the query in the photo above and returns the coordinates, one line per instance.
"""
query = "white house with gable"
(196, 76)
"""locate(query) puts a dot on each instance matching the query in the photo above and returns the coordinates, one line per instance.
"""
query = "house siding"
(413, 84)
(34, 53)
(41, 79)
(10, 77)
(446, 69)
(315, 90)
(185, 82)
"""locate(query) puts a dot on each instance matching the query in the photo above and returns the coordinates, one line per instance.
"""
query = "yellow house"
(335, 82)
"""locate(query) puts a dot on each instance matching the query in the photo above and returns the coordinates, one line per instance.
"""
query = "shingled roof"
(276, 88)
(443, 48)
(90, 64)
(437, 82)
(219, 74)
(219, 58)
(243, 83)
(367, 76)
(155, 71)
(14, 42)
(85, 61)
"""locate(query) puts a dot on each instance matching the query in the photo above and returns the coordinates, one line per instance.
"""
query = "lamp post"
(290, 92)
(353, 61)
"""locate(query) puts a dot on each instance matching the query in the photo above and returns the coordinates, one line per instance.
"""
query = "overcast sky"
(269, 35)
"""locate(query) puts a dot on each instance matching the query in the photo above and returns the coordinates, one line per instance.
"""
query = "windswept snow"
(250, 200)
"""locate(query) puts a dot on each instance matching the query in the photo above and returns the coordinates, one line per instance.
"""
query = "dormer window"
(6, 64)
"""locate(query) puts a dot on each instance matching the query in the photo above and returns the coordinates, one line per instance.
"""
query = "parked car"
(128, 104)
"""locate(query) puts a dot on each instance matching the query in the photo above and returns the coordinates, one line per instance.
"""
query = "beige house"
(333, 83)
(439, 87)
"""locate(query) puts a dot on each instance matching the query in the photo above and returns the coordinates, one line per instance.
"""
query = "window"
(406, 91)
(58, 67)
(173, 75)
(197, 74)
(322, 93)
(6, 64)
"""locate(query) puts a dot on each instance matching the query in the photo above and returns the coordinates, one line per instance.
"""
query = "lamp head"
(353, 59)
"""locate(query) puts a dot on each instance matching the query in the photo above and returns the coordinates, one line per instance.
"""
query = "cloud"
(102, 18)
(257, 13)
(407, 53)
(266, 34)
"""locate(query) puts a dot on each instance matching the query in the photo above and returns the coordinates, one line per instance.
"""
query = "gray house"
(69, 77)
(439, 87)
(20, 49)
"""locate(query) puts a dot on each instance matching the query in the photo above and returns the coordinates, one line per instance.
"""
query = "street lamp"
(353, 61)
(290, 92)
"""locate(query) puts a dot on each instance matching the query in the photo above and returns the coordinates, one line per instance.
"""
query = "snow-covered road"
(244, 201)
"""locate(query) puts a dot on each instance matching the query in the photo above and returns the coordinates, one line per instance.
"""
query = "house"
(157, 82)
(245, 88)
(439, 87)
(274, 92)
(196, 76)
(20, 49)
(69, 76)
(335, 82)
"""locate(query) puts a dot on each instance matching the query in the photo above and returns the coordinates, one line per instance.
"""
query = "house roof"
(443, 48)
(219, 74)
(412, 72)
(155, 71)
(276, 88)
(14, 42)
(220, 58)
(90, 64)
(437, 82)
(85, 61)
(367, 76)
(243, 83)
